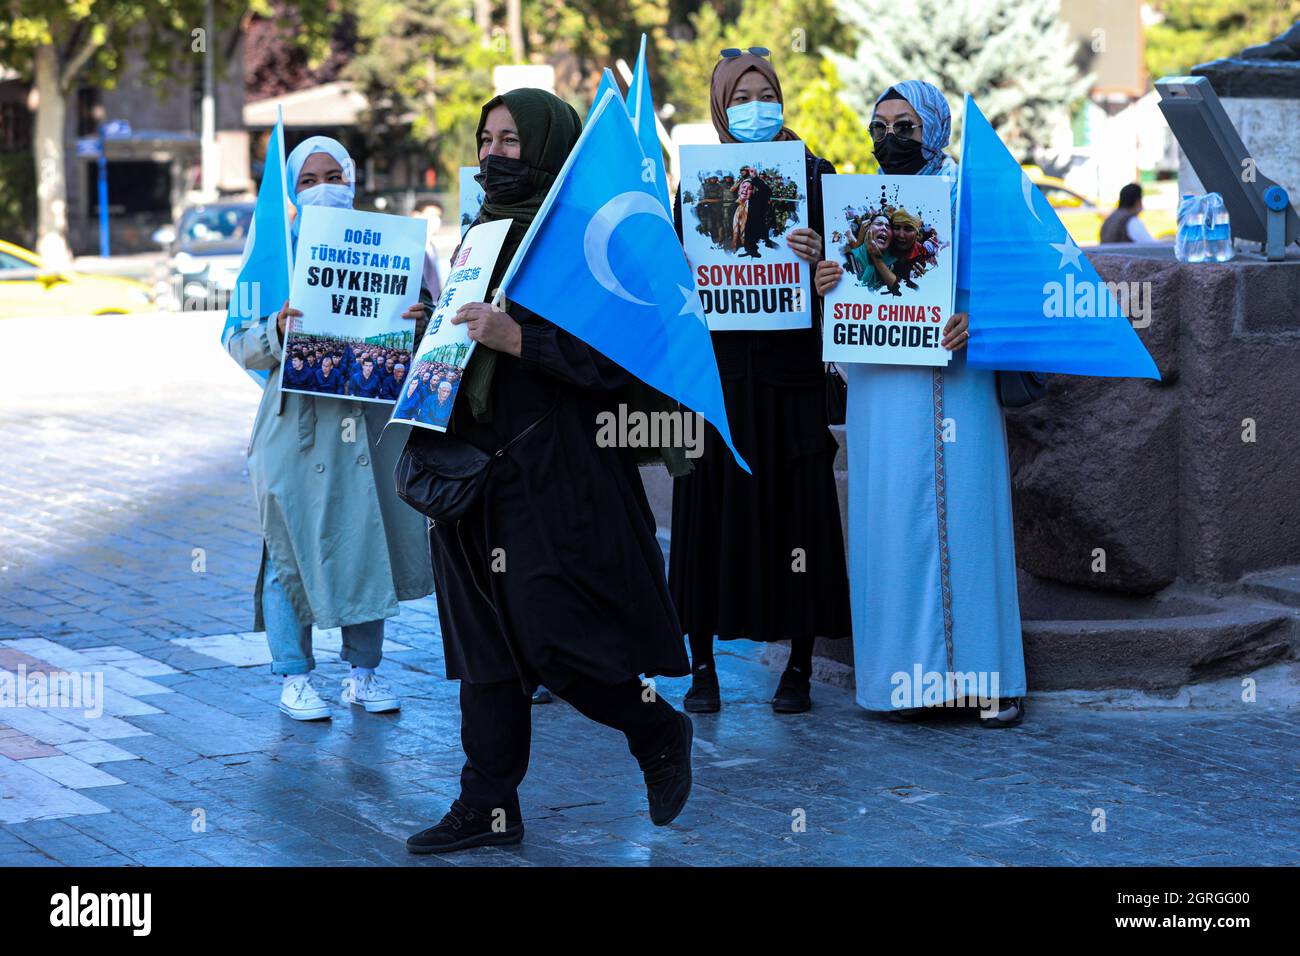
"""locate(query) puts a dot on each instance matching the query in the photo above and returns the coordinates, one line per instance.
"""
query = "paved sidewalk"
(110, 490)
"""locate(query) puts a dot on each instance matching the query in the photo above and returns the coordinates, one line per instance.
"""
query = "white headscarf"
(294, 164)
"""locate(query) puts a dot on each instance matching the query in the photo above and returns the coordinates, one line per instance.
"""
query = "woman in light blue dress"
(932, 570)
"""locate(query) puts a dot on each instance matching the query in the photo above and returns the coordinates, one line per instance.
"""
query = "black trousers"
(496, 733)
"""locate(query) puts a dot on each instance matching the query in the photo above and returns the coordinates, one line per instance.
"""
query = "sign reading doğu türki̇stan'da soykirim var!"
(354, 275)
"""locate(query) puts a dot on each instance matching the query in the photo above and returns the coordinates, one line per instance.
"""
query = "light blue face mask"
(755, 121)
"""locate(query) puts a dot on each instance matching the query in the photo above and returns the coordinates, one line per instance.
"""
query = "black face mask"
(899, 156)
(504, 180)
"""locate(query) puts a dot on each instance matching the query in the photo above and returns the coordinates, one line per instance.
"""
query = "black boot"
(794, 692)
(1010, 713)
(705, 696)
(464, 827)
(668, 775)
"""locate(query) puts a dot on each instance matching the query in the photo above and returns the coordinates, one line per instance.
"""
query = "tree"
(796, 31)
(1014, 56)
(1195, 31)
(59, 45)
(426, 69)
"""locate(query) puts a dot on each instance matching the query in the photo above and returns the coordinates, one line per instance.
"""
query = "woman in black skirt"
(761, 557)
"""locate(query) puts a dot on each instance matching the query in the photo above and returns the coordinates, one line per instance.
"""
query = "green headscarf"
(548, 129)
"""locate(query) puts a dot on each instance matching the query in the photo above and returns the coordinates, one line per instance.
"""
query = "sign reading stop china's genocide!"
(739, 202)
(893, 236)
(354, 275)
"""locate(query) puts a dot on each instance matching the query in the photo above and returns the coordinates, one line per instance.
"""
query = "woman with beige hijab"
(761, 556)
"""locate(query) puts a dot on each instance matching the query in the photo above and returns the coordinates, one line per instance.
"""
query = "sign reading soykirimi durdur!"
(893, 236)
(739, 202)
(431, 387)
(354, 275)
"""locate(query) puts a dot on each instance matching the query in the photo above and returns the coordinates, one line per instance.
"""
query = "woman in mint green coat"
(339, 548)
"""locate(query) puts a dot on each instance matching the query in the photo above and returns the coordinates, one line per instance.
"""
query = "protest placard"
(430, 391)
(355, 274)
(471, 197)
(893, 236)
(739, 201)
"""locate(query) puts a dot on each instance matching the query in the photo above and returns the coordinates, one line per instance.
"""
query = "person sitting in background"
(1123, 225)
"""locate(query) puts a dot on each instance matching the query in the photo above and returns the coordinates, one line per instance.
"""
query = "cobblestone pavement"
(112, 483)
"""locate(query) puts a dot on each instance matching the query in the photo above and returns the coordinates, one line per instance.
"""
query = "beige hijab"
(726, 76)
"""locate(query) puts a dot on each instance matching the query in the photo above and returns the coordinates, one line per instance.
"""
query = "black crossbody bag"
(1018, 389)
(442, 475)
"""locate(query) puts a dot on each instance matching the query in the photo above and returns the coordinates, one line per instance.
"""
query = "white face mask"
(327, 194)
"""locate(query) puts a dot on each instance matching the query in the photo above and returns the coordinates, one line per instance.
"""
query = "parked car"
(204, 250)
(29, 287)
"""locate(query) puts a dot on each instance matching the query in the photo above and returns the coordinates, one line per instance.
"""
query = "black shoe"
(542, 696)
(793, 693)
(463, 827)
(769, 243)
(704, 697)
(1011, 713)
(906, 715)
(668, 776)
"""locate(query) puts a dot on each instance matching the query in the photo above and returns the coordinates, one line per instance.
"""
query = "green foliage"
(831, 127)
(796, 31)
(426, 73)
(1014, 56)
(1196, 31)
(17, 198)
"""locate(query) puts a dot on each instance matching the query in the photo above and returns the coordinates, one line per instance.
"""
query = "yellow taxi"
(29, 288)
(1082, 217)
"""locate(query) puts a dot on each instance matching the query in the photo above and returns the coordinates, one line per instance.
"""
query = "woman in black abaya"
(555, 576)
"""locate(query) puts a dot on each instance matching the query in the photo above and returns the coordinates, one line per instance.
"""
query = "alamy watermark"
(945, 689)
(71, 690)
(639, 429)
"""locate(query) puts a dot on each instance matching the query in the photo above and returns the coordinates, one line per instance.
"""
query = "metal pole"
(102, 164)
(208, 136)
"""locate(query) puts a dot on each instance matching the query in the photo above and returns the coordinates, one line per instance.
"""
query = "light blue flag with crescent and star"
(641, 107)
(602, 261)
(266, 270)
(607, 82)
(1036, 303)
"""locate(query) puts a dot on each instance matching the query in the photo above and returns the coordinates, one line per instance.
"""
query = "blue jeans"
(290, 641)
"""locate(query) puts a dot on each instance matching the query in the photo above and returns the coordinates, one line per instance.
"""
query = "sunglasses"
(733, 51)
(903, 129)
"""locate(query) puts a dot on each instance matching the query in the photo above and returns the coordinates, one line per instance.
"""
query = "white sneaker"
(369, 692)
(300, 701)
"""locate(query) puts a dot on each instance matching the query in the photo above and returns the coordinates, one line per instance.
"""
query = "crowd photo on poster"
(358, 368)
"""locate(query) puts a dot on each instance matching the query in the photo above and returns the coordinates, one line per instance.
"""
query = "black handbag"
(1018, 389)
(441, 475)
(837, 396)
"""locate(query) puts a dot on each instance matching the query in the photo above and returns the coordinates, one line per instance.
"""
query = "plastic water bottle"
(1189, 244)
(1218, 229)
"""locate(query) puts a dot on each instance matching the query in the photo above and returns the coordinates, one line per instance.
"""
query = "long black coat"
(577, 586)
(762, 556)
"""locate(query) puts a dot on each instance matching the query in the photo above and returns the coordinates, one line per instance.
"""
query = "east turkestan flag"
(641, 107)
(602, 261)
(265, 271)
(1036, 303)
